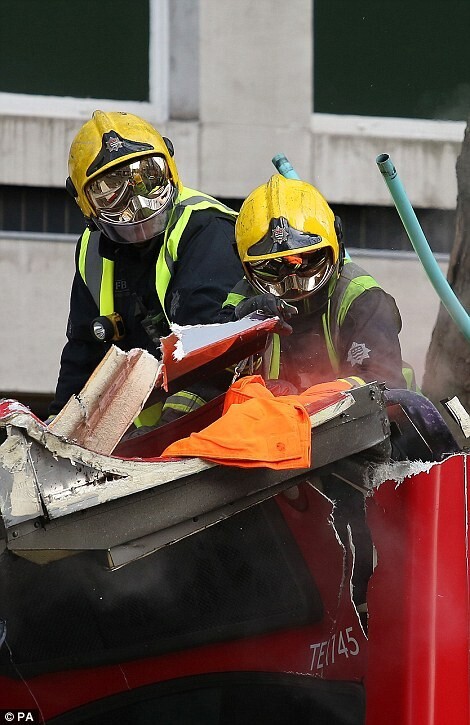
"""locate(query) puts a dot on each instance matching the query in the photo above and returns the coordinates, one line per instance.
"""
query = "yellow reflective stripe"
(106, 301)
(83, 251)
(183, 407)
(192, 396)
(170, 246)
(190, 401)
(353, 380)
(356, 378)
(204, 201)
(275, 362)
(233, 299)
(409, 375)
(107, 287)
(173, 235)
(356, 287)
(172, 241)
(149, 416)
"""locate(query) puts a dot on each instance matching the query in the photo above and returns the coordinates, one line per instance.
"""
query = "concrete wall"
(240, 91)
(35, 281)
(403, 277)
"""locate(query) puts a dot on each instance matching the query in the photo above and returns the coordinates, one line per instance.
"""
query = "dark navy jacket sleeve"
(81, 353)
(369, 342)
(208, 268)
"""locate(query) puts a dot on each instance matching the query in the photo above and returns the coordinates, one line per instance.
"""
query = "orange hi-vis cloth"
(257, 429)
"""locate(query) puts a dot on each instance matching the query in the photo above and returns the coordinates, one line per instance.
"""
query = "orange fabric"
(319, 395)
(258, 429)
(243, 389)
(253, 386)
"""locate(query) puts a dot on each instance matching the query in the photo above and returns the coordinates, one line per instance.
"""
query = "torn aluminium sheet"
(79, 476)
(58, 496)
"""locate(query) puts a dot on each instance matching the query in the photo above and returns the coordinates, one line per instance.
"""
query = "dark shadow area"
(38, 403)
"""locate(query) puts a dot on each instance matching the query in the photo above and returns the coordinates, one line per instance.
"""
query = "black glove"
(268, 304)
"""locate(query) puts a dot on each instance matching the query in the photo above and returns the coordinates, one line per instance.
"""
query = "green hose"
(421, 246)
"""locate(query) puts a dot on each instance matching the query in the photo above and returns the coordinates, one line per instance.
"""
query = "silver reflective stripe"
(169, 261)
(94, 267)
(175, 216)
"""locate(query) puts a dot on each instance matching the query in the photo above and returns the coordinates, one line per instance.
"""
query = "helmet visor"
(132, 192)
(292, 276)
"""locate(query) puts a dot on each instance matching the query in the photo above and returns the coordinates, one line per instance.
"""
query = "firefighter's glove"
(269, 305)
(151, 327)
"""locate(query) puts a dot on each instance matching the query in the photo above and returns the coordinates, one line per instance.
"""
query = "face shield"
(133, 203)
(292, 276)
(297, 266)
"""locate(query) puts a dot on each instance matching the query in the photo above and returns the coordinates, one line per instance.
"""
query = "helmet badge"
(279, 234)
(113, 143)
(113, 147)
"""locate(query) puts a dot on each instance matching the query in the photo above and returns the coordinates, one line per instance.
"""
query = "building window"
(39, 210)
(392, 58)
(73, 56)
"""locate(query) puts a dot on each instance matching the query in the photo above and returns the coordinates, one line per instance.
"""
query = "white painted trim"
(19, 104)
(159, 57)
(385, 127)
(23, 105)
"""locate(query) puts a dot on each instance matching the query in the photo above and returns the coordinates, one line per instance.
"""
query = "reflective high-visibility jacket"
(352, 334)
(182, 277)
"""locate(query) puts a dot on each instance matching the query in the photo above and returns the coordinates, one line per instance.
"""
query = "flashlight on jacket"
(108, 328)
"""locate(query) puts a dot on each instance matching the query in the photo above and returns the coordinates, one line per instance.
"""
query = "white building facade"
(232, 84)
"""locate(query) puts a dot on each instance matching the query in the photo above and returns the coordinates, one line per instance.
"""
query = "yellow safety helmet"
(287, 239)
(123, 176)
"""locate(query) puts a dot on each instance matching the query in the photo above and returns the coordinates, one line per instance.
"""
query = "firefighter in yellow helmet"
(343, 324)
(154, 252)
(340, 324)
